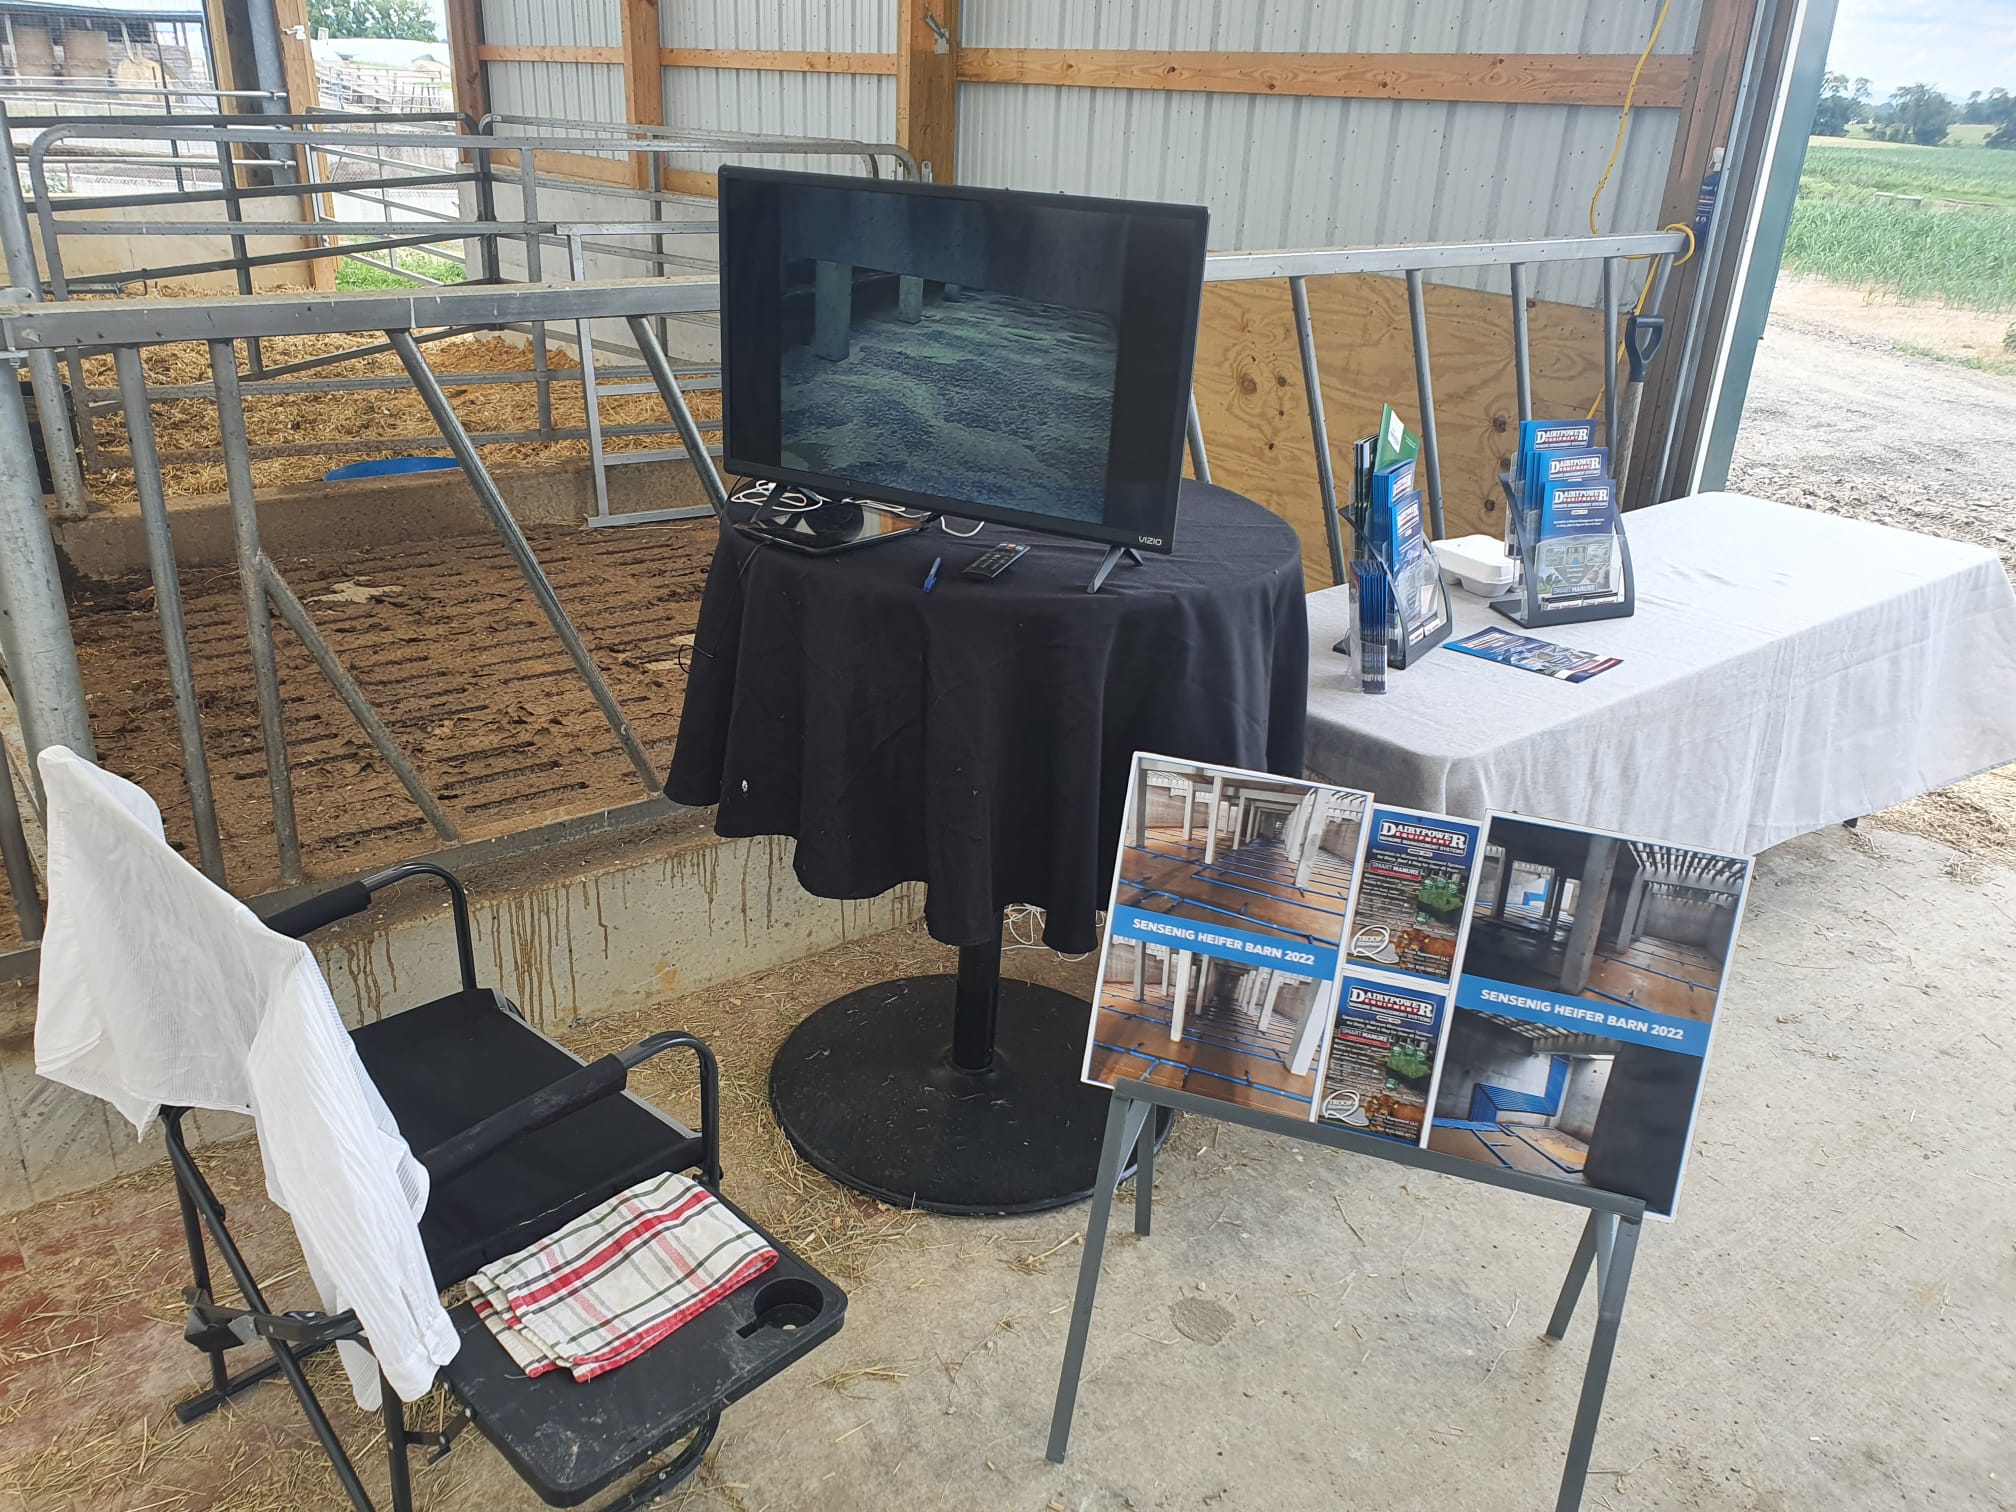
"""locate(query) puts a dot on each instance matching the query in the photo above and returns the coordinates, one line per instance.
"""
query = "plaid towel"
(617, 1279)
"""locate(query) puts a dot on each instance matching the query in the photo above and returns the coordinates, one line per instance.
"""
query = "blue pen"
(931, 577)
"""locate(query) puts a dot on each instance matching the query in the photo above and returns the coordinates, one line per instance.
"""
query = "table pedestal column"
(954, 1094)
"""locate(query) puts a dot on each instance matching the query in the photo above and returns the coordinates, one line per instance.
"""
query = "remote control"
(994, 562)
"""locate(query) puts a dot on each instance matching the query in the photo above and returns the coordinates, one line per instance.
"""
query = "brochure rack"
(1411, 639)
(1608, 1244)
(1522, 603)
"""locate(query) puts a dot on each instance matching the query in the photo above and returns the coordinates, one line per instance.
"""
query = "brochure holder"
(1608, 1244)
(1522, 603)
(1412, 638)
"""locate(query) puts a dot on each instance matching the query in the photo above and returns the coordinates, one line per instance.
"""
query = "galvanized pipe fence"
(34, 630)
(408, 154)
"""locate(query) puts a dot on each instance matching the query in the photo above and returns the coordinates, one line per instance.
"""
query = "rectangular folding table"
(1785, 670)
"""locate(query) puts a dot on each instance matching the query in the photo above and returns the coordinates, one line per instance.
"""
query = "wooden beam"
(687, 181)
(643, 80)
(567, 165)
(779, 62)
(497, 53)
(1507, 79)
(1522, 79)
(465, 58)
(927, 84)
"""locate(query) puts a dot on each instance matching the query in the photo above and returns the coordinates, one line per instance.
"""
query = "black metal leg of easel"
(1126, 1124)
(1613, 1277)
(1578, 1273)
(1144, 1175)
(1108, 562)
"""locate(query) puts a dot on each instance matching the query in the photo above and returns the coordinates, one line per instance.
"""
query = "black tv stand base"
(1108, 562)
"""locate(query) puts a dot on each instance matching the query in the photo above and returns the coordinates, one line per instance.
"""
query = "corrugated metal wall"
(740, 99)
(1275, 171)
(1301, 172)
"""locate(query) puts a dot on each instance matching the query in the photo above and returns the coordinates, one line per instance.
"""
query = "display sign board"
(1532, 996)
(1225, 931)
(1587, 993)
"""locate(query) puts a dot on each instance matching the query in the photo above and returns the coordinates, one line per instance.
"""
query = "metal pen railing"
(35, 635)
(467, 152)
(41, 670)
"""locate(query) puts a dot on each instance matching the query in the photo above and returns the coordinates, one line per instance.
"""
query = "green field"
(356, 275)
(1958, 246)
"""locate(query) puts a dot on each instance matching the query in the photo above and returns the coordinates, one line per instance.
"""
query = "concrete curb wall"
(600, 934)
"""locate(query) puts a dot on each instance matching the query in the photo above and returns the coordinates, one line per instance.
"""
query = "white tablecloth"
(1785, 670)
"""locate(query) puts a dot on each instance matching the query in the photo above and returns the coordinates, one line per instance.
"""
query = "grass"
(351, 274)
(1956, 136)
(2006, 368)
(1979, 175)
(1957, 248)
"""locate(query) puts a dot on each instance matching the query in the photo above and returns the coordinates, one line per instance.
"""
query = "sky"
(1958, 46)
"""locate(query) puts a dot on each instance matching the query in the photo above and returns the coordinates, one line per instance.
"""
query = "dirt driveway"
(1846, 416)
(1850, 413)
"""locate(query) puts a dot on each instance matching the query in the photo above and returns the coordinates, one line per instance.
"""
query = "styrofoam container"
(1477, 564)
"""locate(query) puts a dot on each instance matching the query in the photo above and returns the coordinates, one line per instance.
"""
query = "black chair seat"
(448, 1064)
(569, 1439)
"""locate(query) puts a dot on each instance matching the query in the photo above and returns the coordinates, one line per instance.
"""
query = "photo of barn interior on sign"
(1230, 901)
(1588, 989)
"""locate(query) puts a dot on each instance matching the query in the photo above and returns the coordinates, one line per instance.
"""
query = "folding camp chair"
(519, 1137)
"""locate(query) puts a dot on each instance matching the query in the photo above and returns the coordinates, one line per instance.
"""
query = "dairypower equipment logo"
(1570, 498)
(1405, 832)
(1575, 465)
(1372, 1000)
(1556, 434)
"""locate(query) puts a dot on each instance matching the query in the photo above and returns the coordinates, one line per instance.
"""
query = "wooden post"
(1706, 118)
(297, 63)
(465, 60)
(643, 81)
(231, 64)
(927, 84)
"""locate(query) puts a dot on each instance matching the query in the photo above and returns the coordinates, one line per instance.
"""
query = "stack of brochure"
(1564, 522)
(1390, 542)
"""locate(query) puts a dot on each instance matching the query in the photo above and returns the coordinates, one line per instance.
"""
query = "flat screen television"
(1017, 358)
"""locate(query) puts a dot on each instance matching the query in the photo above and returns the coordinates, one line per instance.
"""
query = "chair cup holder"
(786, 1305)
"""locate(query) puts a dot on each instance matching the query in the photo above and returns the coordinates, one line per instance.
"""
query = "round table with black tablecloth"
(977, 739)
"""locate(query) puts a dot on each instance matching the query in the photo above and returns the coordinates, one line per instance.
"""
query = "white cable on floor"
(1024, 926)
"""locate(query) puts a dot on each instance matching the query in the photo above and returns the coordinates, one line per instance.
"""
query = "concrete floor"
(1828, 1324)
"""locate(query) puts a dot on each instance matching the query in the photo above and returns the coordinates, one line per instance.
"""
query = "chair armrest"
(311, 914)
(571, 1093)
(550, 1104)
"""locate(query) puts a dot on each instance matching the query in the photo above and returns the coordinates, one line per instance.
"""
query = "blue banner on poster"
(1618, 1021)
(1319, 961)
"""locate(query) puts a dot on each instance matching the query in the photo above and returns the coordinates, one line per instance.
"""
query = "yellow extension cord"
(1616, 151)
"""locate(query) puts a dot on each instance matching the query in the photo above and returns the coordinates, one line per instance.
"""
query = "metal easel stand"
(1608, 1244)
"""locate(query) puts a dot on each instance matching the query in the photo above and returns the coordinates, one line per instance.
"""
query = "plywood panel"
(1256, 421)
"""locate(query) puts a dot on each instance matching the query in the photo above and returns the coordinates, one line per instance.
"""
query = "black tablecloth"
(976, 738)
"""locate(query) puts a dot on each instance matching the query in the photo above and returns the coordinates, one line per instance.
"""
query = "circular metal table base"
(867, 1092)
